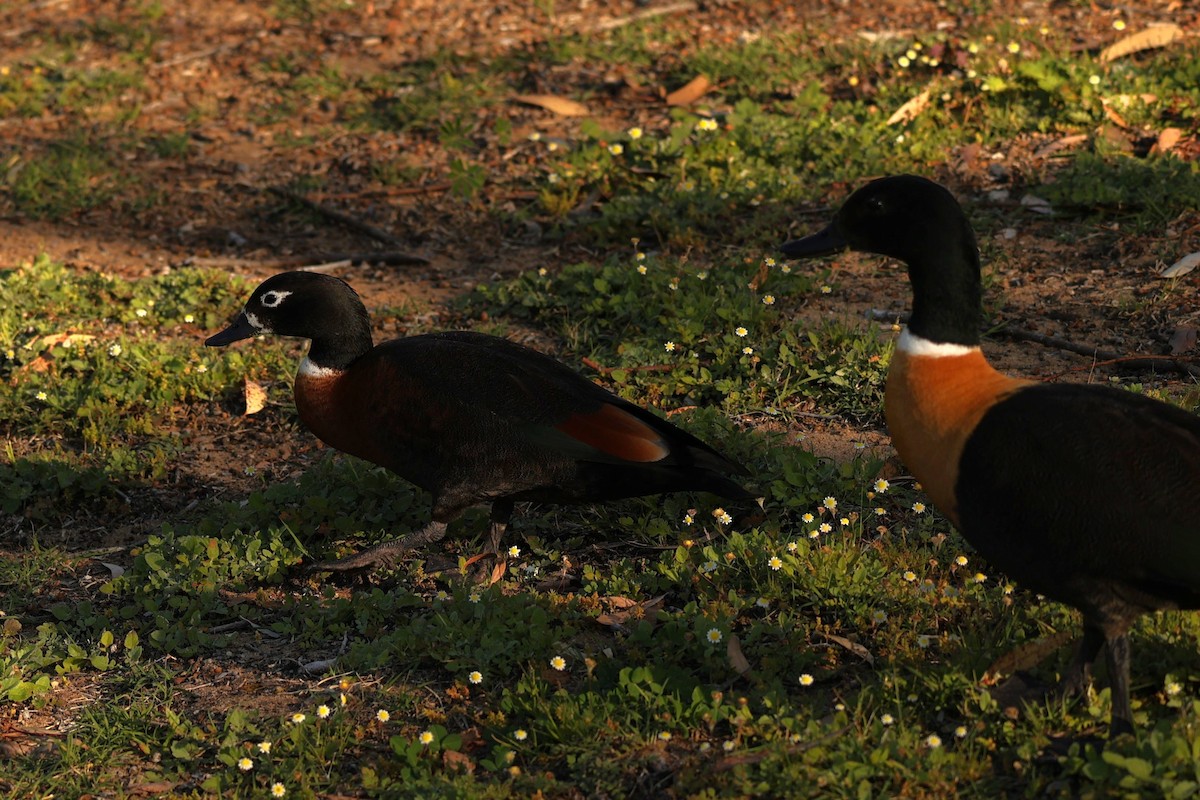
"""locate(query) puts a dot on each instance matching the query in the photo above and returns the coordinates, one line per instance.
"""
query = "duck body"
(468, 417)
(1087, 494)
(471, 418)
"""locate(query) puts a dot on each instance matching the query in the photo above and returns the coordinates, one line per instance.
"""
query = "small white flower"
(559, 663)
(634, 133)
(476, 677)
(188, 318)
(806, 679)
(520, 734)
(616, 149)
(714, 636)
(115, 350)
(245, 764)
(141, 312)
(514, 551)
(887, 719)
(933, 741)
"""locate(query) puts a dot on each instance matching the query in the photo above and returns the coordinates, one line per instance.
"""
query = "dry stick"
(338, 216)
(587, 362)
(388, 257)
(649, 13)
(1101, 357)
(399, 191)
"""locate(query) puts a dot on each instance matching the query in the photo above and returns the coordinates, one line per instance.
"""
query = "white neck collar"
(310, 370)
(911, 344)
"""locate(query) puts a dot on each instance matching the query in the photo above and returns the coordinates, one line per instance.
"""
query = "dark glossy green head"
(920, 223)
(310, 306)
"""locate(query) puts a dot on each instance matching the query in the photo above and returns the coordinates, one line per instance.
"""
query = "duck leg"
(1079, 674)
(1117, 654)
(384, 554)
(502, 510)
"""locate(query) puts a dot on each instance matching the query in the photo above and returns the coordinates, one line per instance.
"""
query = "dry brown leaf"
(759, 278)
(455, 760)
(1059, 144)
(555, 583)
(1168, 138)
(256, 397)
(690, 92)
(1152, 37)
(559, 105)
(910, 110)
(1183, 339)
(853, 647)
(737, 659)
(39, 364)
(626, 610)
(55, 339)
(1182, 267)
(1025, 656)
(1114, 117)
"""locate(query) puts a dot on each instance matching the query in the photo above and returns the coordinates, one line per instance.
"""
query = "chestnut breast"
(932, 404)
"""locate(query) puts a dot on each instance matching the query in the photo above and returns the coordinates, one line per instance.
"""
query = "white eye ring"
(273, 298)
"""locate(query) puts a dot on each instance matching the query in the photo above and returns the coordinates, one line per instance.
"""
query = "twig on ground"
(342, 217)
(312, 263)
(587, 362)
(397, 191)
(648, 13)
(1101, 358)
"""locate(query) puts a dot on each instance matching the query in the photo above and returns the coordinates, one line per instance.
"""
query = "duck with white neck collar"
(1087, 494)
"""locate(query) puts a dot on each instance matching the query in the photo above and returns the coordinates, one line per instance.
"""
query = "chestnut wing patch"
(616, 433)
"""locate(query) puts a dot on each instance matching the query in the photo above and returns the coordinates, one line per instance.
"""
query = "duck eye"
(875, 205)
(272, 298)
